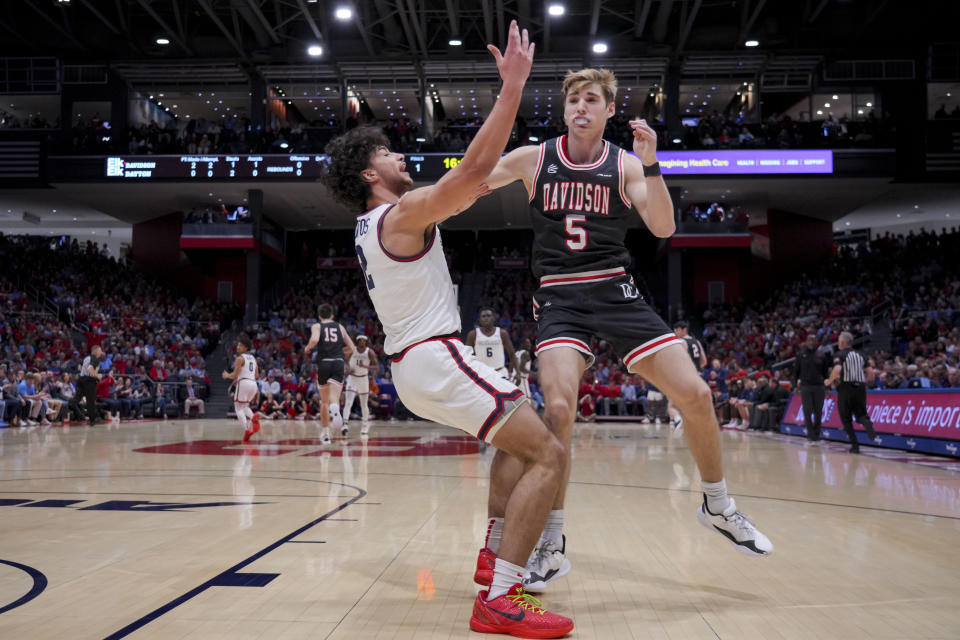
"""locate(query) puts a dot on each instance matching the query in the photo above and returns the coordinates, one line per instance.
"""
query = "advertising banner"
(908, 414)
(745, 162)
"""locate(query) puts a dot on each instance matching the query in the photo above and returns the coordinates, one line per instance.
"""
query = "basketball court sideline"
(176, 530)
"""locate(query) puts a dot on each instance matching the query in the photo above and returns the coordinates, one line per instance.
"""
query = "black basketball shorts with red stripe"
(571, 309)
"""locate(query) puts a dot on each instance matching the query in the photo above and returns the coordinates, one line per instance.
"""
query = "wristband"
(652, 171)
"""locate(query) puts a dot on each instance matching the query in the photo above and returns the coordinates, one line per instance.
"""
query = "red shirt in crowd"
(103, 387)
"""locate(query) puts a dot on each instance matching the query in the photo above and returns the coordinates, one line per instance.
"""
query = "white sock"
(553, 531)
(505, 575)
(365, 407)
(716, 494)
(494, 534)
(241, 415)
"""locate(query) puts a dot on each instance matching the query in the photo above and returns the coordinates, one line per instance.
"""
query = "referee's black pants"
(852, 403)
(812, 397)
(87, 388)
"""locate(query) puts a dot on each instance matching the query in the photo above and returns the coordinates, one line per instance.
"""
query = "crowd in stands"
(154, 340)
(198, 136)
(217, 214)
(152, 336)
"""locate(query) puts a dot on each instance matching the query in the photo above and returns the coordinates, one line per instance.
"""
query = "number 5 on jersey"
(577, 239)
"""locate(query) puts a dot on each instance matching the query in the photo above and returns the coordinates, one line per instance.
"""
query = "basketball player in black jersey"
(584, 193)
(333, 346)
(697, 356)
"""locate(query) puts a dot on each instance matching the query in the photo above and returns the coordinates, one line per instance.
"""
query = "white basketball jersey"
(489, 349)
(360, 363)
(413, 296)
(524, 369)
(249, 370)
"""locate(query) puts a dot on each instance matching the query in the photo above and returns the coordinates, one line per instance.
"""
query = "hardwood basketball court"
(175, 530)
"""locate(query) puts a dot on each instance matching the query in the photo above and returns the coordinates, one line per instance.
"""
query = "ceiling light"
(599, 47)
(819, 113)
(677, 141)
(343, 13)
(163, 41)
(826, 104)
(454, 42)
(948, 94)
(556, 10)
(836, 98)
(869, 104)
(315, 50)
(752, 43)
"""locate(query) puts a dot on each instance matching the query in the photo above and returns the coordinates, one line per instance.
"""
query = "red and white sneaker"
(518, 614)
(253, 429)
(485, 562)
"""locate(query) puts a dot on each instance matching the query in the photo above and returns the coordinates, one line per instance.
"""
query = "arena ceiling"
(271, 32)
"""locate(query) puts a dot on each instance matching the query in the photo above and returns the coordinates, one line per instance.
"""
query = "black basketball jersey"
(331, 341)
(694, 348)
(580, 213)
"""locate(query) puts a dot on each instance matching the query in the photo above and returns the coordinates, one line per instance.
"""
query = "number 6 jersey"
(580, 213)
(413, 295)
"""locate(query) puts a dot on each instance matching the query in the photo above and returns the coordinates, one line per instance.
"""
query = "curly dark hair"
(349, 155)
(244, 339)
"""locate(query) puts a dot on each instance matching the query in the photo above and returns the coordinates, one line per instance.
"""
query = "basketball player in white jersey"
(435, 374)
(244, 376)
(333, 345)
(489, 342)
(358, 383)
(524, 363)
(584, 194)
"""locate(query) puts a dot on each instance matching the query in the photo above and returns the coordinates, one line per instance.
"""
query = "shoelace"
(526, 601)
(741, 521)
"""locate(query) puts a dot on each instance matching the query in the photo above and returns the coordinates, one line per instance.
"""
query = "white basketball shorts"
(246, 390)
(358, 384)
(441, 380)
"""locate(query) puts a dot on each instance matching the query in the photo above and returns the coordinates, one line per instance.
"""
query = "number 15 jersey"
(412, 295)
(580, 212)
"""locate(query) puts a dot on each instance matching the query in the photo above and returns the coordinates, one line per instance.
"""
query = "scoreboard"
(422, 167)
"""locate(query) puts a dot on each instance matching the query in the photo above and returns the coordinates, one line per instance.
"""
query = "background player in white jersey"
(584, 195)
(358, 382)
(244, 376)
(489, 342)
(333, 345)
(437, 376)
(524, 364)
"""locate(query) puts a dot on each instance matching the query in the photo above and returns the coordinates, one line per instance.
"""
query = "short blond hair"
(576, 80)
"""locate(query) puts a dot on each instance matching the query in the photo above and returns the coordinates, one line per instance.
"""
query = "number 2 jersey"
(580, 213)
(413, 295)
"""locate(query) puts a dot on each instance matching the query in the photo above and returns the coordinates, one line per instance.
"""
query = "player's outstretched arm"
(519, 164)
(420, 208)
(649, 196)
(471, 340)
(314, 338)
(237, 368)
(511, 354)
(348, 346)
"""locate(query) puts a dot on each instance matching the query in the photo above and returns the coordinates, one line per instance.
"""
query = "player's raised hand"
(515, 62)
(644, 141)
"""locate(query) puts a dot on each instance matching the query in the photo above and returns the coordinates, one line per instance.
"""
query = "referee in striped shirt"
(852, 392)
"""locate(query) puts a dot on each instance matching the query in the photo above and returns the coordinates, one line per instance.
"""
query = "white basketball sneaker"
(737, 528)
(545, 565)
(325, 436)
(364, 427)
